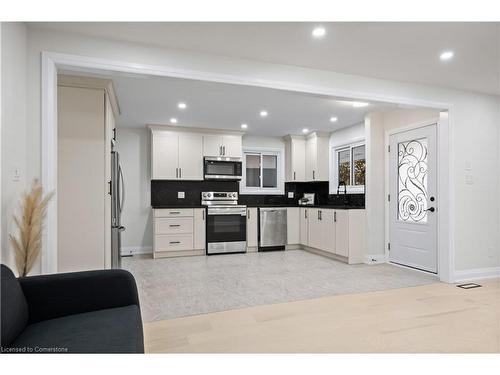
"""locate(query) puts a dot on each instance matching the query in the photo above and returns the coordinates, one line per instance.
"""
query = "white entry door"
(413, 201)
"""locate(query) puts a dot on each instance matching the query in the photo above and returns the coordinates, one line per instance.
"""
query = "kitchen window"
(262, 171)
(349, 168)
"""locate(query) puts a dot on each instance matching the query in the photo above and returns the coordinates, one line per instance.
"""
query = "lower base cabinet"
(338, 232)
(252, 229)
(178, 232)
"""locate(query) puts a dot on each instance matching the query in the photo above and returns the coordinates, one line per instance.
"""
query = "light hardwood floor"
(432, 318)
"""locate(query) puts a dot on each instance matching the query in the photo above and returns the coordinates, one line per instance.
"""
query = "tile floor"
(177, 287)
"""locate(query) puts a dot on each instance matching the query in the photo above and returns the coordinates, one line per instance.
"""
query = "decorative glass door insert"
(412, 180)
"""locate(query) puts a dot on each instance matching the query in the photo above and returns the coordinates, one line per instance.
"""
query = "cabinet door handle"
(174, 242)
(174, 225)
(224, 150)
(203, 215)
(335, 216)
(294, 176)
(174, 212)
(314, 175)
(180, 172)
(305, 213)
(220, 150)
(248, 214)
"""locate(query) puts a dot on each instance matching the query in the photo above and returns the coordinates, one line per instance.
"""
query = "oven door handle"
(223, 211)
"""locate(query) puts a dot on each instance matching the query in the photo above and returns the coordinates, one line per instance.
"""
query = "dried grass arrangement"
(27, 246)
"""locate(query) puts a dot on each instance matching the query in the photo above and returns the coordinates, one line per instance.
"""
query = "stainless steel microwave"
(222, 168)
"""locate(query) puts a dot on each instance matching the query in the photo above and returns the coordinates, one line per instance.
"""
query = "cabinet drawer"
(173, 242)
(174, 212)
(173, 225)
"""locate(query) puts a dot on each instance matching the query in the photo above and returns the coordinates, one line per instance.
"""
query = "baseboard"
(477, 274)
(134, 250)
(375, 259)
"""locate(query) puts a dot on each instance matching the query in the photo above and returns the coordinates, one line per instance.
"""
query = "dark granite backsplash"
(164, 193)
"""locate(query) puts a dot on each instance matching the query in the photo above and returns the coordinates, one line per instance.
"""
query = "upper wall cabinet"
(176, 156)
(306, 158)
(295, 158)
(317, 157)
(222, 145)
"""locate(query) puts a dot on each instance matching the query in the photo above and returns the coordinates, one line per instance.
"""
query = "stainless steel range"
(226, 223)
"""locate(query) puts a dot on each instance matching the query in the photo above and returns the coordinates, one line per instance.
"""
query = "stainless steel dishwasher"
(272, 228)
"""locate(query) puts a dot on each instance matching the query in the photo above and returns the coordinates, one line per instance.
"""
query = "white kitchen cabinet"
(164, 155)
(316, 157)
(190, 156)
(232, 146)
(222, 145)
(327, 218)
(199, 228)
(293, 225)
(212, 145)
(178, 232)
(252, 229)
(338, 232)
(315, 232)
(295, 158)
(304, 226)
(342, 232)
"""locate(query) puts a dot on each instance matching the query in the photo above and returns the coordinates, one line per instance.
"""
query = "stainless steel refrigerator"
(117, 200)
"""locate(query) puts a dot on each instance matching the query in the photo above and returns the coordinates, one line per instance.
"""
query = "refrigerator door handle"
(122, 188)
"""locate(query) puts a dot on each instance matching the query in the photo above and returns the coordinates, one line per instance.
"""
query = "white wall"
(376, 125)
(474, 120)
(134, 148)
(14, 130)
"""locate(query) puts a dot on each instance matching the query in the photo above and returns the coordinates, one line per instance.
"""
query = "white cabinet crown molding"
(177, 128)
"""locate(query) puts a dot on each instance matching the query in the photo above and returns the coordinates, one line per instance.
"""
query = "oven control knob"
(209, 195)
(233, 195)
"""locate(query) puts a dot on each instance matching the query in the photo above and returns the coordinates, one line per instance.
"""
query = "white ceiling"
(397, 51)
(153, 100)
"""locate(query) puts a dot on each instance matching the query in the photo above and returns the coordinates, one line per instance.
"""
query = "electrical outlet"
(290, 194)
(181, 195)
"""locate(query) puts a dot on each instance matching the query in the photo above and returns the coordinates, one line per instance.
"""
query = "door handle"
(294, 176)
(335, 216)
(224, 149)
(248, 214)
(180, 172)
(174, 225)
(174, 242)
(431, 209)
(314, 175)
(176, 172)
(305, 213)
(203, 214)
(220, 150)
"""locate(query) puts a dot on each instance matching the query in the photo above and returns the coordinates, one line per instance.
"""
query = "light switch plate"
(181, 195)
(469, 179)
(290, 194)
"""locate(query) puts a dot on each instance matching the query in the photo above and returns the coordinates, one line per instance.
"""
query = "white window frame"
(334, 170)
(280, 160)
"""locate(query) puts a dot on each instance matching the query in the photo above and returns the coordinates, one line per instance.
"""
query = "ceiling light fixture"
(319, 32)
(446, 55)
(182, 105)
(360, 104)
(244, 126)
(333, 119)
(305, 130)
(173, 120)
(263, 113)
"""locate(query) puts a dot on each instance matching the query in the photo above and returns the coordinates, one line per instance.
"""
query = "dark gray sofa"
(77, 312)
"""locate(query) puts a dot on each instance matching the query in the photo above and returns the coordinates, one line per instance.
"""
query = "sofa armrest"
(54, 296)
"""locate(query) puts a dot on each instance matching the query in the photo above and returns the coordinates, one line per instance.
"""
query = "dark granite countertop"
(325, 206)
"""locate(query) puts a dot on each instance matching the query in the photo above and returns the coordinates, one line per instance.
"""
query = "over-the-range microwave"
(222, 168)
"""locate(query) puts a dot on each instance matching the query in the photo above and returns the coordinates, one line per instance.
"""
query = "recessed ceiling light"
(173, 120)
(182, 105)
(319, 32)
(333, 119)
(446, 55)
(244, 126)
(263, 113)
(305, 130)
(360, 104)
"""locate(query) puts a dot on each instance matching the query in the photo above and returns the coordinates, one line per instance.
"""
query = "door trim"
(51, 61)
(444, 256)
